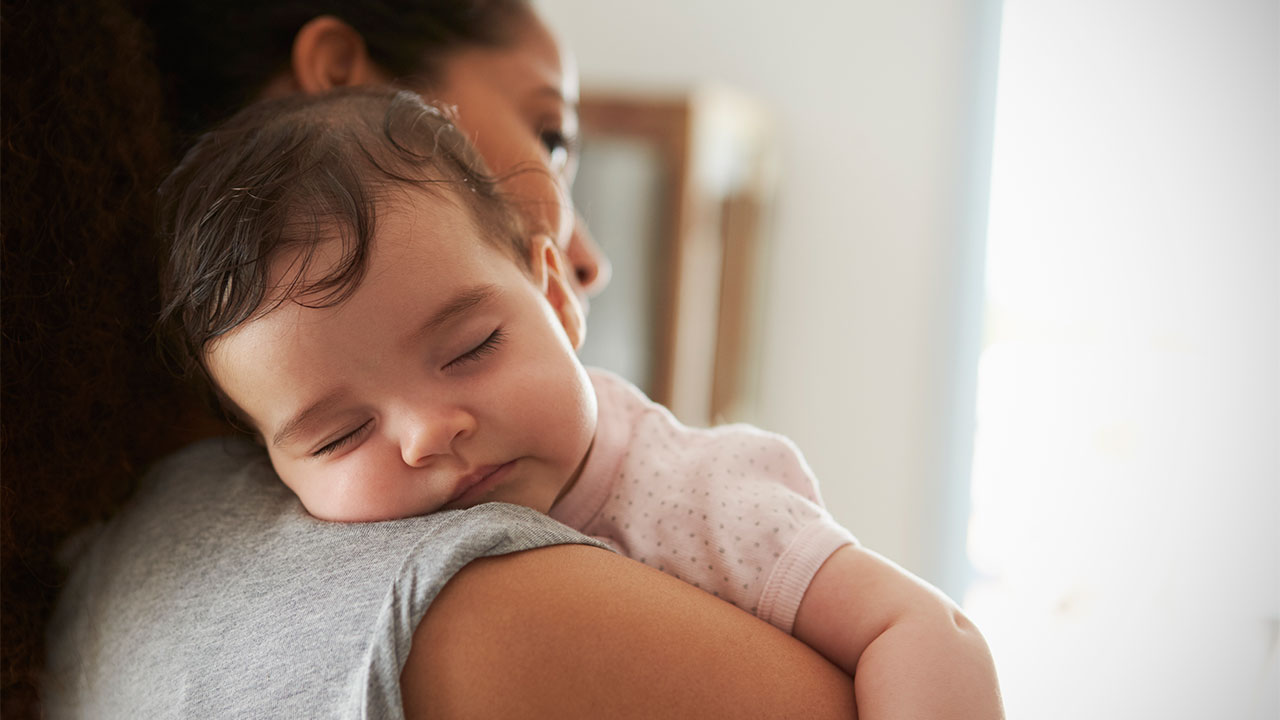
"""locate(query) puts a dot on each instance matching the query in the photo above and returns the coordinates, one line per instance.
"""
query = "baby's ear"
(548, 267)
(328, 53)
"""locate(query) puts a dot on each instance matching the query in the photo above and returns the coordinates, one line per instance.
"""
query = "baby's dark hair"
(292, 174)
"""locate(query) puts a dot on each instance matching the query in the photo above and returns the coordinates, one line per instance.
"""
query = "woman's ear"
(329, 53)
(548, 274)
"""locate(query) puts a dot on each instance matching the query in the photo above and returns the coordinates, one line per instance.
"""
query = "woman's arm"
(573, 631)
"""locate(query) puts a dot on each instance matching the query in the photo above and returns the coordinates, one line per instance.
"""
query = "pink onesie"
(733, 510)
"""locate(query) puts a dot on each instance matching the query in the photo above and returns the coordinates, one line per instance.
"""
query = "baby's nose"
(432, 433)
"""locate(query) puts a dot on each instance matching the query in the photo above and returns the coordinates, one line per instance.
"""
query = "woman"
(209, 617)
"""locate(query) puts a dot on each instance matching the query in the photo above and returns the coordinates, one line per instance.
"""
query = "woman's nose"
(590, 266)
(434, 432)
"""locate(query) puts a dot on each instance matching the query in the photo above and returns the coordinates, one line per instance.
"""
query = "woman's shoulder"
(228, 470)
(213, 594)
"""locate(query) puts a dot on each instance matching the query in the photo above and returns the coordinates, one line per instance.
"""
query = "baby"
(364, 302)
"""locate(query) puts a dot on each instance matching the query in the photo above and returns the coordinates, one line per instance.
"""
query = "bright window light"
(1125, 522)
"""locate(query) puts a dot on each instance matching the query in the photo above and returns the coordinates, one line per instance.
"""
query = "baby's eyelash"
(484, 349)
(342, 441)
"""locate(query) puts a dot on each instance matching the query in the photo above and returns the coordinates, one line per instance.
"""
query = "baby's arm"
(912, 653)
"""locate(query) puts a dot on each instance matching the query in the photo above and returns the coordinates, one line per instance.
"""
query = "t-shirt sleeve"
(455, 540)
(732, 510)
(780, 527)
(215, 595)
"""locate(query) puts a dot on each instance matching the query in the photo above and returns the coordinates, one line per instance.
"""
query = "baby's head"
(345, 276)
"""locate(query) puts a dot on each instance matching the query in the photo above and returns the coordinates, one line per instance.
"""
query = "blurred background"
(1007, 272)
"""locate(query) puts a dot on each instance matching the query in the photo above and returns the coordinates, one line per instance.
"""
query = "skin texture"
(910, 650)
(402, 415)
(596, 635)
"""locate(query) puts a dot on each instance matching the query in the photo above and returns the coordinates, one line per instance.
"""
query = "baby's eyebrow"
(457, 306)
(296, 423)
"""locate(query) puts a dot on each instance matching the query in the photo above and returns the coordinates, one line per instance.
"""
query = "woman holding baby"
(215, 594)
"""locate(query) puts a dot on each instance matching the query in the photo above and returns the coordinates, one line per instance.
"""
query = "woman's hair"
(217, 55)
(87, 403)
(293, 174)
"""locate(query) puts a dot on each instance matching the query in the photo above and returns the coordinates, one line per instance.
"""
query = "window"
(1125, 519)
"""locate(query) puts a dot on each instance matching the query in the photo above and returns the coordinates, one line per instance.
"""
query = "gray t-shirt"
(214, 594)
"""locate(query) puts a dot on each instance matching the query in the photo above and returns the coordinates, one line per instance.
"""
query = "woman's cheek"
(566, 217)
(542, 204)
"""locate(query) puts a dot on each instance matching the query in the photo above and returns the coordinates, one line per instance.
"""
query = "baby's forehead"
(325, 258)
(408, 229)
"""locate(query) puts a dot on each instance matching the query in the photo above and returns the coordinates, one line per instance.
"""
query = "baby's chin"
(352, 514)
(353, 517)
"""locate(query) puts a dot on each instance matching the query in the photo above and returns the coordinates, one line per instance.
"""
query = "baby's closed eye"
(487, 347)
(343, 441)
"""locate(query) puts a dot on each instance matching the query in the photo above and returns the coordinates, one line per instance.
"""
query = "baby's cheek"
(344, 491)
(368, 492)
(327, 501)
(577, 413)
(295, 479)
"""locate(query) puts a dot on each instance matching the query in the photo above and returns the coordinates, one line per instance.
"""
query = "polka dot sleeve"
(732, 510)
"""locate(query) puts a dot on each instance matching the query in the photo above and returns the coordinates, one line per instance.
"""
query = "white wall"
(873, 287)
